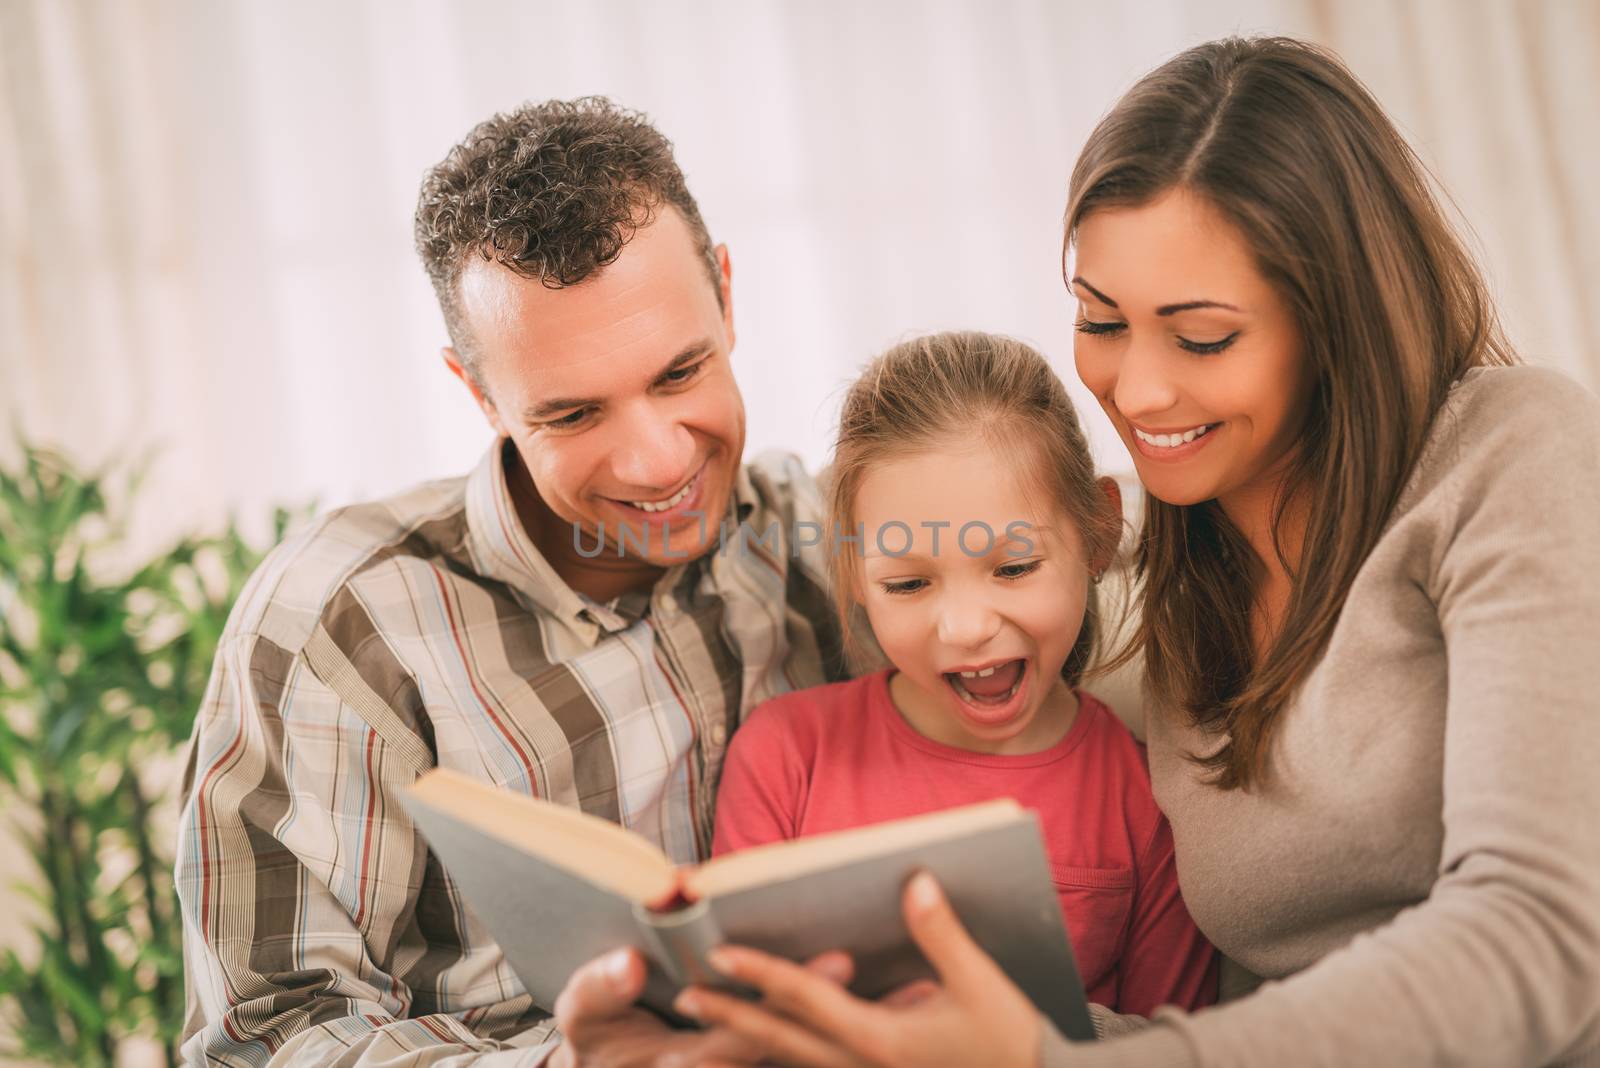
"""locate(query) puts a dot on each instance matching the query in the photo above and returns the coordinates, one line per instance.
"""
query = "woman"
(1368, 579)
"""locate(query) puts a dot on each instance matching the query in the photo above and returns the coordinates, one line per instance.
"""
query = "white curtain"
(205, 206)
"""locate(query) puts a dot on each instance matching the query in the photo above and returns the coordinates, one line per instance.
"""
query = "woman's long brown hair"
(1391, 309)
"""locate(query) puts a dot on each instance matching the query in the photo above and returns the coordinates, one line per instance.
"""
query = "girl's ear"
(1113, 520)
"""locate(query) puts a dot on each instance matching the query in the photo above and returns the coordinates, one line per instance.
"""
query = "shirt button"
(718, 734)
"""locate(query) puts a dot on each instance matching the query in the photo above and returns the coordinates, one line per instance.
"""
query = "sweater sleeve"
(1500, 965)
(763, 784)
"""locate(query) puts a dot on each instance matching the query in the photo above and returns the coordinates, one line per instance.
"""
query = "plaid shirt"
(426, 630)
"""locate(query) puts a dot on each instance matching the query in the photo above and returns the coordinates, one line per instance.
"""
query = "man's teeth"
(662, 506)
(1169, 441)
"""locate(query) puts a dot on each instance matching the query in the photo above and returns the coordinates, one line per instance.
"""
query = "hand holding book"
(601, 1023)
(974, 1014)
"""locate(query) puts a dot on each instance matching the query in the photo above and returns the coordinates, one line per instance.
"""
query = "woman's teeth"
(1171, 441)
(662, 506)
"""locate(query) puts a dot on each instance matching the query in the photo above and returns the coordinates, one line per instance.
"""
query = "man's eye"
(569, 420)
(680, 375)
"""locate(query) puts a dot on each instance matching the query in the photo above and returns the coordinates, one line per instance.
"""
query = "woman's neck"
(1252, 511)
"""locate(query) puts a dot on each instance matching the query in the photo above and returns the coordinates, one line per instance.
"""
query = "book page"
(589, 847)
(781, 861)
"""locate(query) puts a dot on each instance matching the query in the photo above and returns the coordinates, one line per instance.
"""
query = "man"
(560, 621)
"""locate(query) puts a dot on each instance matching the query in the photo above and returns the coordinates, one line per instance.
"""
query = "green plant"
(102, 669)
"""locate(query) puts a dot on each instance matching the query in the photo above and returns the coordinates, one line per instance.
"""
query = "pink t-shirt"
(840, 756)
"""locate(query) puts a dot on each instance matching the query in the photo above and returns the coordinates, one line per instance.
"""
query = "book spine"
(680, 940)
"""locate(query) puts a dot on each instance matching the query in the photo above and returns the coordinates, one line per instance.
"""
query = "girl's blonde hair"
(969, 387)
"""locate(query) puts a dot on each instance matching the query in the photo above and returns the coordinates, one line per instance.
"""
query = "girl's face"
(1192, 353)
(978, 626)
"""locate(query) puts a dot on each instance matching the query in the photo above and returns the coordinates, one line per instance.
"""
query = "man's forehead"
(648, 303)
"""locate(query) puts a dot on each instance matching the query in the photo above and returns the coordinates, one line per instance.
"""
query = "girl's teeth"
(975, 699)
(985, 673)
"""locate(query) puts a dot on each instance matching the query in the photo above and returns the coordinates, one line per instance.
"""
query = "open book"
(557, 887)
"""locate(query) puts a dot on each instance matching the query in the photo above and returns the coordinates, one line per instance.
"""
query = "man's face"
(617, 392)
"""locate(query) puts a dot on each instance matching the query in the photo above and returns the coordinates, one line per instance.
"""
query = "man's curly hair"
(552, 191)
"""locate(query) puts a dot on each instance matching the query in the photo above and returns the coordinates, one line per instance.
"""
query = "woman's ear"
(1113, 520)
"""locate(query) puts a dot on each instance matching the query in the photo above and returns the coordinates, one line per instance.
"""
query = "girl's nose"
(967, 622)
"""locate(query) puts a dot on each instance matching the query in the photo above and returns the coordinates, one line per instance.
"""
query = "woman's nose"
(1145, 386)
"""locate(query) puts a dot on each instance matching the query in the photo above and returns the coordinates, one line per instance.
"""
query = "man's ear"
(452, 360)
(1113, 507)
(725, 270)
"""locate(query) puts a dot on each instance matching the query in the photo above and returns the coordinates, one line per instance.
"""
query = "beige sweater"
(1419, 881)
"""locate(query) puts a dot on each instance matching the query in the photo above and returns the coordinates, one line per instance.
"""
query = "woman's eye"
(908, 586)
(1206, 347)
(1093, 327)
(1016, 571)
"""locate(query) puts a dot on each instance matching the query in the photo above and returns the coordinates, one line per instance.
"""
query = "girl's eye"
(908, 586)
(1016, 571)
(1090, 326)
(1206, 347)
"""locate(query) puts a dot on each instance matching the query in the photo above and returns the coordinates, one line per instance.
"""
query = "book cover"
(557, 888)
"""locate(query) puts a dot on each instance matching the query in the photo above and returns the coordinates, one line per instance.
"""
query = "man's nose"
(966, 620)
(654, 451)
(1145, 387)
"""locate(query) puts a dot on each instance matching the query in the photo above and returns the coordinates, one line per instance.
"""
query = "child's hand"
(974, 1014)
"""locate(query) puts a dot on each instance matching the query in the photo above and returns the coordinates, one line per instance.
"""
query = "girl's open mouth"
(993, 696)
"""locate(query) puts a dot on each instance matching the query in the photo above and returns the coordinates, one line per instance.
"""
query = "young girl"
(961, 469)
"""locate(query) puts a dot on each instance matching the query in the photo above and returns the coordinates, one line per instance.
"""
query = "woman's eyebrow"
(1191, 305)
(1165, 309)
(1101, 297)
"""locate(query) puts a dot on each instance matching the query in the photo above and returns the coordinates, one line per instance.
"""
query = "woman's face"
(1193, 355)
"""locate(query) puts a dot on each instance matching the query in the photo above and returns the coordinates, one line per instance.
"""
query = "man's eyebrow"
(535, 413)
(1101, 297)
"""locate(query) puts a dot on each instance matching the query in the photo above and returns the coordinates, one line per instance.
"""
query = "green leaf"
(77, 647)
